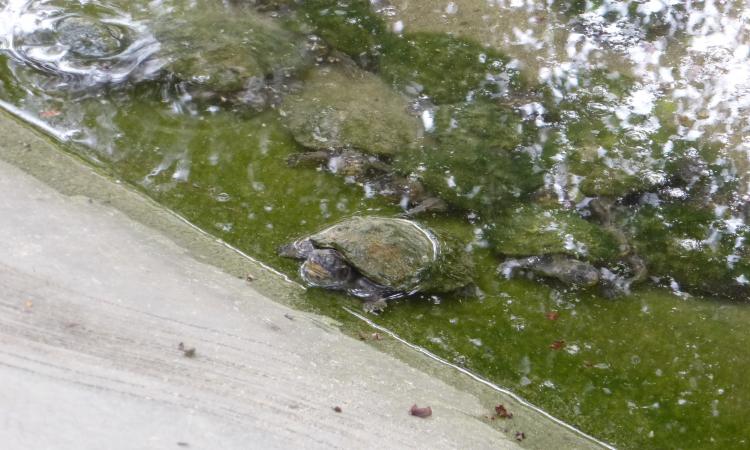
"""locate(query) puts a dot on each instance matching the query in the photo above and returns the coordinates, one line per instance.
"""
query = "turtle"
(569, 270)
(380, 258)
(376, 176)
(90, 39)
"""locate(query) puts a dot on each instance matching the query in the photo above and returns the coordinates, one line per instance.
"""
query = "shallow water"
(642, 104)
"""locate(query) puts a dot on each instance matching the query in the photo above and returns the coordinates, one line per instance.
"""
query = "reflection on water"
(79, 45)
(591, 156)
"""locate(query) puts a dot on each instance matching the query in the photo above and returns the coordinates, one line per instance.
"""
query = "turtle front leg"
(374, 306)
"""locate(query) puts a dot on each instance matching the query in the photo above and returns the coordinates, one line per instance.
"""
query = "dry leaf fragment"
(49, 113)
(552, 315)
(502, 412)
(420, 412)
(557, 345)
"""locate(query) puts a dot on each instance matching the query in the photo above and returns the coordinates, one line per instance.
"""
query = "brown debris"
(502, 412)
(186, 352)
(557, 345)
(520, 435)
(337, 409)
(369, 337)
(420, 412)
(552, 315)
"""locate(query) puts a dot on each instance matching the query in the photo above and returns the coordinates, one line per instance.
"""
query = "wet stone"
(221, 52)
(472, 135)
(445, 68)
(533, 231)
(343, 107)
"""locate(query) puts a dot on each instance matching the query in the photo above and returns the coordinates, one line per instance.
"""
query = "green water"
(655, 368)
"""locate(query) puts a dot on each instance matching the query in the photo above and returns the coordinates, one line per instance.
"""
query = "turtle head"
(300, 249)
(326, 268)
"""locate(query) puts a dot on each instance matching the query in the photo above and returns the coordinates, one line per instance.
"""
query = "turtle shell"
(396, 253)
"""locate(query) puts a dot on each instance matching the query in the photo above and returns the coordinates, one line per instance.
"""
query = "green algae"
(445, 68)
(470, 135)
(349, 26)
(532, 230)
(688, 244)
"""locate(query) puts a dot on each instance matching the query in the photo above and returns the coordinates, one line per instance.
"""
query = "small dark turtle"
(564, 268)
(378, 258)
(376, 177)
(90, 39)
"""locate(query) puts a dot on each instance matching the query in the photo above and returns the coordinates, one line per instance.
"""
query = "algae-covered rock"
(349, 26)
(219, 51)
(476, 159)
(531, 230)
(689, 244)
(343, 107)
(609, 156)
(445, 68)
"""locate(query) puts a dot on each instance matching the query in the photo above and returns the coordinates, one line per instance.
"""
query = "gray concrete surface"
(99, 285)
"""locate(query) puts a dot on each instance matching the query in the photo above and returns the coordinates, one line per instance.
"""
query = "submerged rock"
(692, 249)
(375, 258)
(533, 231)
(349, 26)
(476, 158)
(445, 68)
(216, 52)
(343, 107)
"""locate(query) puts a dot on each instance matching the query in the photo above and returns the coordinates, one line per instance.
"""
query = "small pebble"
(420, 412)
(186, 352)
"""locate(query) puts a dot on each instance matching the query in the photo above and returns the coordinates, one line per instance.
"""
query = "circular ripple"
(81, 44)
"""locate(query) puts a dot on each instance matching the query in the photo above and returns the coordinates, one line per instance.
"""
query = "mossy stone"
(688, 244)
(349, 26)
(220, 52)
(444, 67)
(531, 230)
(343, 107)
(475, 158)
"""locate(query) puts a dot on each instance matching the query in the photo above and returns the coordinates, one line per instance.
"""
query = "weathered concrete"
(99, 286)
